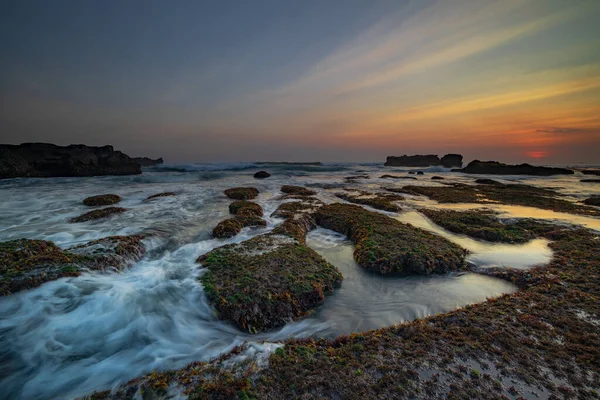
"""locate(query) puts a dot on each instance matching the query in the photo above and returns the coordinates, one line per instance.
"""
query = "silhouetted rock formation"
(413, 161)
(147, 162)
(262, 175)
(452, 160)
(497, 168)
(429, 160)
(48, 160)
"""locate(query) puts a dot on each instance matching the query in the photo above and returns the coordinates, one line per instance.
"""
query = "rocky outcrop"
(242, 193)
(452, 160)
(147, 162)
(246, 214)
(102, 200)
(385, 245)
(429, 160)
(413, 161)
(26, 264)
(592, 201)
(262, 175)
(497, 168)
(591, 172)
(98, 214)
(43, 160)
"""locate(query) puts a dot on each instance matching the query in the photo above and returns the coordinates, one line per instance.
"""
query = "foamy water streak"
(74, 335)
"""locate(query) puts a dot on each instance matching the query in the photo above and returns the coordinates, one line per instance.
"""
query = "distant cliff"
(147, 162)
(49, 160)
(448, 161)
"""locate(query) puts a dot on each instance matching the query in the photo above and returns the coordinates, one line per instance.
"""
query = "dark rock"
(102, 200)
(262, 175)
(310, 163)
(47, 160)
(227, 229)
(452, 160)
(379, 201)
(355, 177)
(496, 168)
(413, 161)
(485, 181)
(437, 178)
(147, 162)
(164, 194)
(243, 207)
(242, 193)
(420, 173)
(591, 180)
(397, 177)
(592, 201)
(590, 171)
(97, 214)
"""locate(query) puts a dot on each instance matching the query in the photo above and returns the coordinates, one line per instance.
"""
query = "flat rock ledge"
(385, 245)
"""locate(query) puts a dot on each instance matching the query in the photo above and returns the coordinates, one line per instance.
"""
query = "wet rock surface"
(262, 175)
(102, 200)
(385, 245)
(25, 263)
(98, 214)
(242, 193)
(380, 201)
(40, 160)
(159, 195)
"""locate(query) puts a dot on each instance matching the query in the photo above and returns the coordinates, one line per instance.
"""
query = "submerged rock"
(387, 176)
(102, 200)
(485, 181)
(297, 190)
(47, 160)
(413, 161)
(262, 175)
(590, 171)
(294, 208)
(380, 201)
(26, 263)
(591, 180)
(385, 245)
(97, 214)
(437, 178)
(497, 168)
(156, 196)
(147, 162)
(452, 160)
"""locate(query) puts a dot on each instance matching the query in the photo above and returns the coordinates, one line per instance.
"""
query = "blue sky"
(515, 80)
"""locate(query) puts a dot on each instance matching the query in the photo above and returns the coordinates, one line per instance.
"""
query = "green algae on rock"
(480, 224)
(158, 195)
(511, 194)
(379, 201)
(385, 245)
(102, 200)
(97, 214)
(242, 193)
(266, 281)
(26, 263)
(298, 190)
(243, 207)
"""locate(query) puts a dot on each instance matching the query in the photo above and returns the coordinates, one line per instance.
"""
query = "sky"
(305, 80)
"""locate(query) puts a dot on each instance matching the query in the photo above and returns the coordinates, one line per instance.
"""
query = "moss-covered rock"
(298, 190)
(264, 282)
(158, 195)
(293, 208)
(227, 228)
(480, 224)
(102, 200)
(242, 193)
(26, 263)
(380, 201)
(512, 194)
(385, 245)
(98, 214)
(243, 207)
